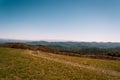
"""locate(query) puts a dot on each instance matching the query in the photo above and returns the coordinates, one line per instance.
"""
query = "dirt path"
(109, 72)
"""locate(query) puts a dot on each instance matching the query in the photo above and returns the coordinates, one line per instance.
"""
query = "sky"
(67, 20)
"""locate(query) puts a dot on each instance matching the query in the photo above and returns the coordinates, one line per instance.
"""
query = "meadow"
(19, 64)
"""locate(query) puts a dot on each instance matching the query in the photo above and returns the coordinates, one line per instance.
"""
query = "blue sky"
(69, 20)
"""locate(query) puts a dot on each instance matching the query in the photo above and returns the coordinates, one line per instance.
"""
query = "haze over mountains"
(66, 44)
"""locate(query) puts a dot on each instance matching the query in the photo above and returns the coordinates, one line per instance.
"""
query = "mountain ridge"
(67, 44)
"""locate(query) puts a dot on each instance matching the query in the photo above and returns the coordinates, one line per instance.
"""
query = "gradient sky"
(70, 20)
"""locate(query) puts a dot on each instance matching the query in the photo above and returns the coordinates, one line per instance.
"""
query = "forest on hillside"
(93, 52)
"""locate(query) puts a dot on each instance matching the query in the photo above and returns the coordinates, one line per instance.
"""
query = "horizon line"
(55, 40)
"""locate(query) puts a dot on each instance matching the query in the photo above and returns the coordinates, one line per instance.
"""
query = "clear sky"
(70, 20)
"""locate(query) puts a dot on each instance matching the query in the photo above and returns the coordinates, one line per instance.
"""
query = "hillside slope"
(18, 64)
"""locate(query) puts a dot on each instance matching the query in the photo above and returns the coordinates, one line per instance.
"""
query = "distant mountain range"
(66, 45)
(12, 40)
(67, 48)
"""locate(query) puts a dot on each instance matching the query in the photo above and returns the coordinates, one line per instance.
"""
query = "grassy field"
(17, 64)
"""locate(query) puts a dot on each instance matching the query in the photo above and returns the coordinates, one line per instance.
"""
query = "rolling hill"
(19, 64)
(66, 44)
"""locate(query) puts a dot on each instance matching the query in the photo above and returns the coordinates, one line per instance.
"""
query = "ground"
(18, 64)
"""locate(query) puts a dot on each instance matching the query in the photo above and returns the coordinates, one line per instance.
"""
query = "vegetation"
(18, 64)
(101, 53)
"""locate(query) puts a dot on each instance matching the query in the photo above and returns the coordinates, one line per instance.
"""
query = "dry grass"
(16, 64)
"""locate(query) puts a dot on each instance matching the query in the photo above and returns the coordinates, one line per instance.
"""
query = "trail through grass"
(17, 64)
(56, 59)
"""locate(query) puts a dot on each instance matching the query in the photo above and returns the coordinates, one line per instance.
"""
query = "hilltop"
(19, 64)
